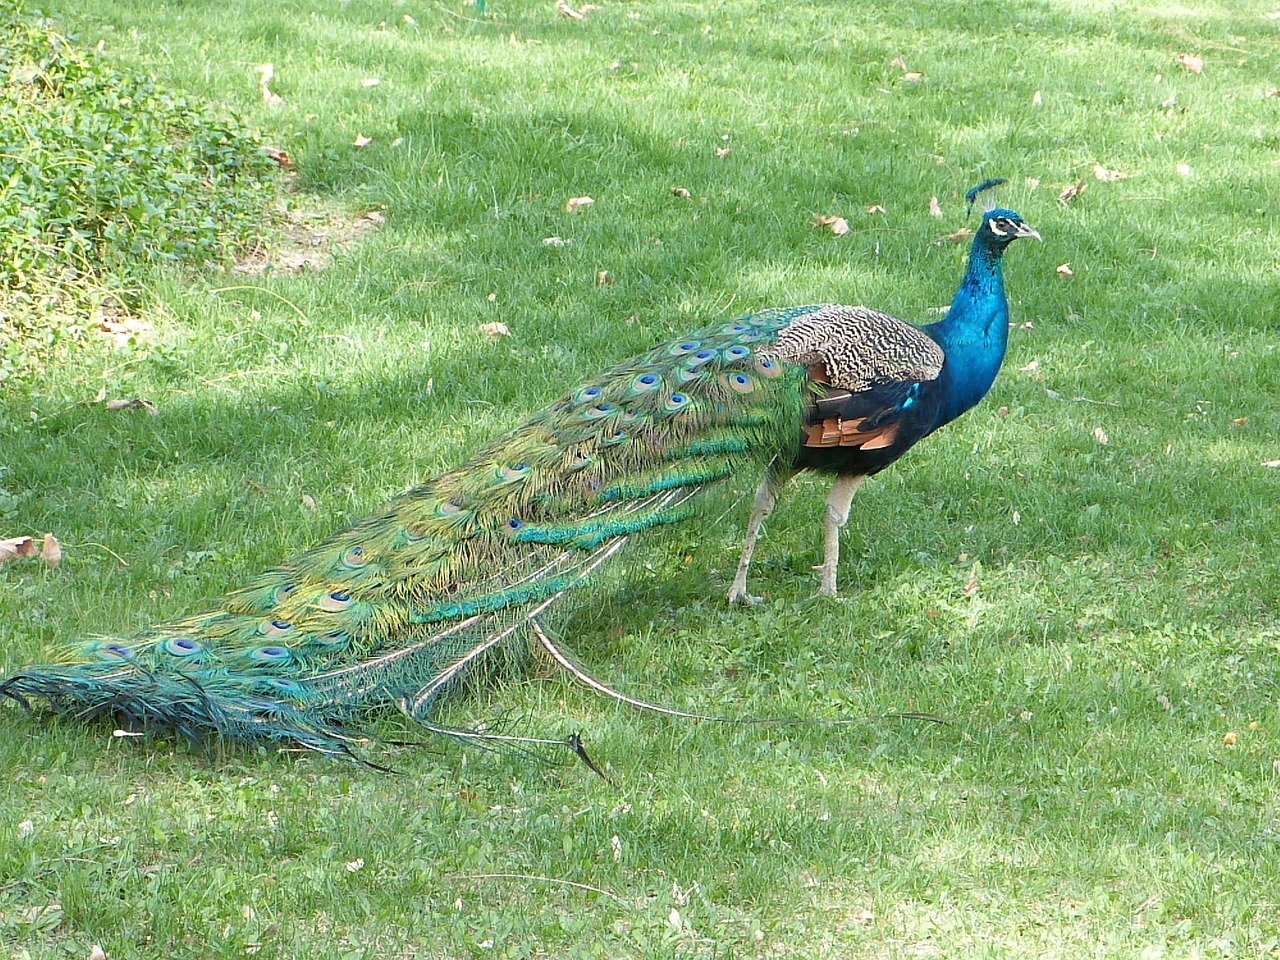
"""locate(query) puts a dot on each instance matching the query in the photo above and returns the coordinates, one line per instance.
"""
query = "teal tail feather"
(439, 587)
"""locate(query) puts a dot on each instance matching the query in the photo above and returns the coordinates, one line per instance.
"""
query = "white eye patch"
(995, 229)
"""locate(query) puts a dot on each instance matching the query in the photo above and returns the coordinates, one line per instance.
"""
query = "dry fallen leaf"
(1031, 367)
(899, 63)
(1101, 436)
(138, 403)
(838, 225)
(1064, 270)
(554, 242)
(1107, 176)
(1184, 169)
(1036, 99)
(1072, 191)
(1191, 62)
(680, 192)
(874, 208)
(370, 82)
(567, 11)
(281, 157)
(97, 953)
(603, 279)
(577, 203)
(495, 330)
(16, 547)
(363, 141)
(1240, 421)
(1271, 463)
(1229, 739)
(911, 76)
(51, 551)
(266, 73)
(723, 152)
(971, 587)
(308, 501)
(935, 209)
(962, 234)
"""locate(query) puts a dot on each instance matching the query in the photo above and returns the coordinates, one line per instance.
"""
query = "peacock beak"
(1026, 230)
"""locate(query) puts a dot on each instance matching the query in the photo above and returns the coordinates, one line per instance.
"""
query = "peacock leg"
(838, 502)
(766, 499)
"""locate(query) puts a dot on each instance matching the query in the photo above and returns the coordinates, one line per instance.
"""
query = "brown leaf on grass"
(1184, 169)
(1064, 270)
(911, 76)
(603, 279)
(935, 208)
(1032, 183)
(97, 953)
(577, 203)
(1107, 176)
(722, 152)
(495, 330)
(1240, 421)
(308, 501)
(368, 82)
(362, 141)
(971, 587)
(1036, 99)
(964, 233)
(1072, 191)
(837, 225)
(1229, 738)
(874, 208)
(123, 329)
(281, 157)
(1191, 62)
(1101, 436)
(138, 403)
(51, 551)
(565, 10)
(681, 192)
(267, 73)
(15, 548)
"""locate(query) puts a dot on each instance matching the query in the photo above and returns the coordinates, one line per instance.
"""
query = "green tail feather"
(402, 607)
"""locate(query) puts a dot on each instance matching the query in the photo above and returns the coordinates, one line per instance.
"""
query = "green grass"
(1082, 802)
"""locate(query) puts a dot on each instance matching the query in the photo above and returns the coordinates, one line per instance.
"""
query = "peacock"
(448, 579)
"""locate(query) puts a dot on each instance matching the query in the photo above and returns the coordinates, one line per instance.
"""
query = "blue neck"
(974, 333)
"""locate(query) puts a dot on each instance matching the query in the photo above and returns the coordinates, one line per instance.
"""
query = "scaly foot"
(738, 596)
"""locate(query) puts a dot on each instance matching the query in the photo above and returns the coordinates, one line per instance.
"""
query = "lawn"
(1079, 576)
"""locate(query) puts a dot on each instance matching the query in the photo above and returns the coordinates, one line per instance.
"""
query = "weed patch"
(104, 169)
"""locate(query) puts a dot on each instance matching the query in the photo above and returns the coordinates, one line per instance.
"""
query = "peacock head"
(1000, 228)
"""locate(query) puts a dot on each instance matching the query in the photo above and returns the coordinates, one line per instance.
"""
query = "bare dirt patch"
(306, 240)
